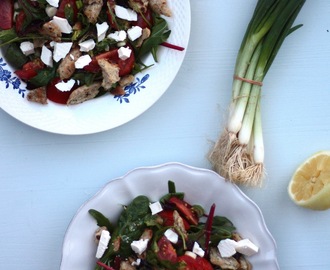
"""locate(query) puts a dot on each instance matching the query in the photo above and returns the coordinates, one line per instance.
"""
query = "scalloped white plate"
(201, 186)
(106, 112)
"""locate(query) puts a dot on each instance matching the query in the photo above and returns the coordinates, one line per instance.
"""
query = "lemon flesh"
(310, 184)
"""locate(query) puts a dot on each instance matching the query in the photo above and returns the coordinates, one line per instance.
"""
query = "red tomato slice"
(189, 262)
(166, 250)
(185, 209)
(204, 264)
(20, 18)
(67, 3)
(6, 14)
(125, 66)
(56, 95)
(30, 69)
(145, 20)
(167, 216)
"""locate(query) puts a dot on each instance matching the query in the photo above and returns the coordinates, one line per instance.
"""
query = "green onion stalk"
(238, 155)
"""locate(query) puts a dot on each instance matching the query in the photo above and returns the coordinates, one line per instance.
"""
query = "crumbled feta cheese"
(171, 235)
(246, 247)
(51, 11)
(137, 262)
(83, 61)
(198, 250)
(125, 13)
(53, 3)
(191, 254)
(134, 32)
(102, 29)
(61, 49)
(118, 35)
(87, 45)
(124, 53)
(227, 247)
(65, 86)
(103, 244)
(139, 246)
(155, 207)
(46, 56)
(27, 47)
(63, 24)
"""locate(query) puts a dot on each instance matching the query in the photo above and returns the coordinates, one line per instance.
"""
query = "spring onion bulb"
(238, 155)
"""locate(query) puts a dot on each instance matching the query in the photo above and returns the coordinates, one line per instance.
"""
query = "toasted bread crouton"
(67, 65)
(51, 30)
(126, 80)
(92, 9)
(110, 73)
(145, 35)
(84, 93)
(38, 95)
(160, 7)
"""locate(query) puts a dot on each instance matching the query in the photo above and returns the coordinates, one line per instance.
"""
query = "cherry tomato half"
(166, 250)
(185, 209)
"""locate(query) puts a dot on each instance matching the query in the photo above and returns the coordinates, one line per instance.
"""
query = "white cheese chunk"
(198, 250)
(118, 35)
(27, 47)
(246, 247)
(87, 45)
(139, 246)
(172, 236)
(134, 32)
(63, 24)
(51, 11)
(125, 13)
(53, 3)
(65, 86)
(155, 207)
(101, 29)
(124, 53)
(46, 56)
(103, 244)
(83, 61)
(227, 247)
(137, 262)
(61, 49)
(191, 254)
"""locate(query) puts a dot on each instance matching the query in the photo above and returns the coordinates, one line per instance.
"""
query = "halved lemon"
(310, 184)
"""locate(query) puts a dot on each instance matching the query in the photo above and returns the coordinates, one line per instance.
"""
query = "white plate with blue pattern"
(108, 111)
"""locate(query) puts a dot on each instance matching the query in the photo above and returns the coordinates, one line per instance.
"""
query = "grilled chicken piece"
(110, 73)
(244, 264)
(52, 31)
(160, 7)
(84, 93)
(67, 67)
(38, 95)
(92, 9)
(229, 263)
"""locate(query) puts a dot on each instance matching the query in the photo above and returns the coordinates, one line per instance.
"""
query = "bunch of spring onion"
(238, 155)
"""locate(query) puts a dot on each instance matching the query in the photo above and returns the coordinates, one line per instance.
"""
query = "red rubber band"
(248, 80)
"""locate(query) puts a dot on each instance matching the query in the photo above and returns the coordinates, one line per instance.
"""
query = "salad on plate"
(169, 234)
(71, 51)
